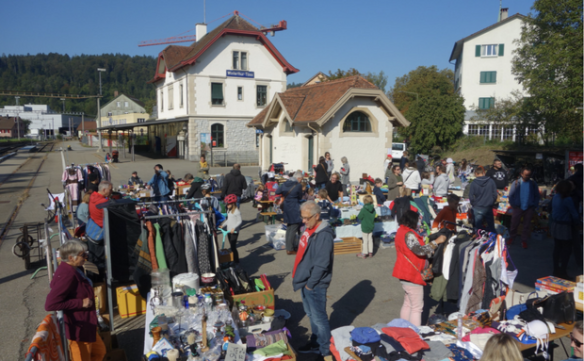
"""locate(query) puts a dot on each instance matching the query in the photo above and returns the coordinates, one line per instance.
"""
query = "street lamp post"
(17, 117)
(100, 149)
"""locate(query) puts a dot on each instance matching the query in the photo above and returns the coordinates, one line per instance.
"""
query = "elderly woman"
(394, 183)
(72, 293)
(345, 175)
(412, 255)
(334, 188)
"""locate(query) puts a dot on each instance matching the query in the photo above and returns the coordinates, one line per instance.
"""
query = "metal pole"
(132, 140)
(100, 149)
(82, 124)
(108, 263)
(48, 252)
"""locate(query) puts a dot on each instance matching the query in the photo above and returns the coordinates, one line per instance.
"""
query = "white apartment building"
(216, 86)
(42, 118)
(483, 64)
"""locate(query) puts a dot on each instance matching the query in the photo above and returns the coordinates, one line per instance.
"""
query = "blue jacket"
(159, 183)
(316, 266)
(563, 210)
(292, 190)
(379, 195)
(483, 192)
(515, 194)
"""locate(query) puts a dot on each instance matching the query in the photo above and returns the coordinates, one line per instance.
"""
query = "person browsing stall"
(577, 339)
(72, 292)
(412, 255)
(321, 176)
(565, 222)
(524, 199)
(448, 213)
(404, 159)
(159, 184)
(441, 182)
(322, 199)
(291, 190)
(93, 183)
(134, 179)
(483, 195)
(334, 188)
(330, 166)
(234, 183)
(83, 210)
(411, 176)
(345, 175)
(394, 183)
(498, 174)
(195, 190)
(233, 224)
(378, 192)
(501, 347)
(99, 197)
(312, 274)
(208, 201)
(367, 217)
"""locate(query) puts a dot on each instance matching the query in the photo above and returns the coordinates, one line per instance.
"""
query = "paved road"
(362, 292)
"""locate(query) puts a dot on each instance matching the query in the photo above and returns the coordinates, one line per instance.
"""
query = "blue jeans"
(481, 215)
(238, 201)
(160, 198)
(314, 303)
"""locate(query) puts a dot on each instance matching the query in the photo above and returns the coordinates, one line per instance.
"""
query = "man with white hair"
(291, 191)
(312, 273)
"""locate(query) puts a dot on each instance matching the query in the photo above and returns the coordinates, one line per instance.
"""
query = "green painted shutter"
(478, 50)
(217, 91)
(501, 49)
(491, 102)
(493, 77)
(483, 77)
(481, 103)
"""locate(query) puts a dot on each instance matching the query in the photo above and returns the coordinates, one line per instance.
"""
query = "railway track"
(47, 147)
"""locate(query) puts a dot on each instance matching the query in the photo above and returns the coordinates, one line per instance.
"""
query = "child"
(83, 209)
(208, 200)
(233, 224)
(448, 213)
(309, 195)
(378, 193)
(259, 195)
(323, 202)
(367, 218)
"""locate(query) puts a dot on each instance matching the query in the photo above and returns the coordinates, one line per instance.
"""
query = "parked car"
(397, 150)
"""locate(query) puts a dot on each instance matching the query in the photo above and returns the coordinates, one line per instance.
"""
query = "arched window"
(357, 122)
(217, 135)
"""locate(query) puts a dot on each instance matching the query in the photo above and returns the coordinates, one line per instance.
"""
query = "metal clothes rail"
(177, 214)
(173, 201)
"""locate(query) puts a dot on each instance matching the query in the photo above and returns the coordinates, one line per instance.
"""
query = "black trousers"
(291, 232)
(561, 256)
(233, 244)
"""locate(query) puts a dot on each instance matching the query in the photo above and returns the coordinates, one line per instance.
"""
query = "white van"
(397, 150)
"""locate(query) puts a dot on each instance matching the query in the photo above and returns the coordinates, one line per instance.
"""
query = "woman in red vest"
(412, 254)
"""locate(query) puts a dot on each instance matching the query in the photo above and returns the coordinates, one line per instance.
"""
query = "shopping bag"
(94, 231)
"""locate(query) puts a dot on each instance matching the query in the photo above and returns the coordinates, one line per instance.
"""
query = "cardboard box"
(251, 299)
(110, 341)
(130, 303)
(116, 355)
(100, 292)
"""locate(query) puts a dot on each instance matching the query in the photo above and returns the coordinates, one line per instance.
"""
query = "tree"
(293, 85)
(549, 63)
(377, 79)
(426, 97)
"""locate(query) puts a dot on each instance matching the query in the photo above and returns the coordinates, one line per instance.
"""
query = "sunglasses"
(576, 342)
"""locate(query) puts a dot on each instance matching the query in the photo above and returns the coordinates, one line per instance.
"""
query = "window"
(236, 60)
(217, 93)
(125, 104)
(478, 129)
(357, 122)
(486, 103)
(243, 61)
(287, 127)
(508, 132)
(262, 95)
(488, 77)
(490, 50)
(217, 136)
(257, 140)
(161, 101)
(141, 120)
(109, 114)
(180, 90)
(239, 93)
(118, 104)
(395, 146)
(237, 64)
(496, 132)
(171, 97)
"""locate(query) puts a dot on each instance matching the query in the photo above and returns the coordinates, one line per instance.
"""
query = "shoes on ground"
(309, 348)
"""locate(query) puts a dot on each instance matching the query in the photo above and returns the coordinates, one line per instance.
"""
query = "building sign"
(240, 73)
(259, 131)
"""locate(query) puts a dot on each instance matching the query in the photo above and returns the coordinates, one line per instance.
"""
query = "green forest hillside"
(56, 73)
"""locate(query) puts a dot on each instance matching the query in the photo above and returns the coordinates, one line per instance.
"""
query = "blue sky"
(369, 35)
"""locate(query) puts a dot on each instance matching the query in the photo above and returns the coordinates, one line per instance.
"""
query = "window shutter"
(501, 49)
(483, 77)
(493, 77)
(217, 91)
(478, 51)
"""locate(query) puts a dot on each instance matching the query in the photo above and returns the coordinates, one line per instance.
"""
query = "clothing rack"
(176, 214)
(173, 201)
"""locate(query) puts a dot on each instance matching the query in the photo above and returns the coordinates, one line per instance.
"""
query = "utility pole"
(100, 149)
(63, 100)
(17, 117)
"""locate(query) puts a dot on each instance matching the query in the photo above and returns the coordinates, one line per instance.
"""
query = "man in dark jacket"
(195, 191)
(312, 273)
(498, 174)
(482, 196)
(291, 190)
(421, 165)
(404, 159)
(234, 183)
(524, 198)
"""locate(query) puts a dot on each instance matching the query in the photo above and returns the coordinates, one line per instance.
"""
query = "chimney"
(115, 93)
(201, 30)
(504, 13)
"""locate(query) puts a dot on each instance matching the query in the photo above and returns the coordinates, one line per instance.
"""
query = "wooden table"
(268, 211)
(555, 336)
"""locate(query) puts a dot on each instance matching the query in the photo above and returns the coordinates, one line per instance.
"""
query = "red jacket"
(403, 269)
(94, 213)
(68, 289)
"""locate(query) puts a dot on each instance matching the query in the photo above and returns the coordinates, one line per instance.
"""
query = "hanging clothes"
(72, 176)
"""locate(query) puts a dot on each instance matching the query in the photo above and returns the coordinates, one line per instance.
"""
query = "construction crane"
(282, 25)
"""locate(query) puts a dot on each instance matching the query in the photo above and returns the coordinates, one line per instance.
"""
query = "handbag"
(559, 308)
(426, 273)
(280, 201)
(94, 231)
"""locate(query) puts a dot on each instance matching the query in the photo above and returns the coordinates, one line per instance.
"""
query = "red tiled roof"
(7, 123)
(176, 57)
(89, 125)
(309, 103)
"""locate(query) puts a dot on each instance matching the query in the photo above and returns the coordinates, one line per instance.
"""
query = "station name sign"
(240, 73)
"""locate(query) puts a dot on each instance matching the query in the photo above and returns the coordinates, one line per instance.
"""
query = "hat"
(389, 156)
(449, 160)
(92, 177)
